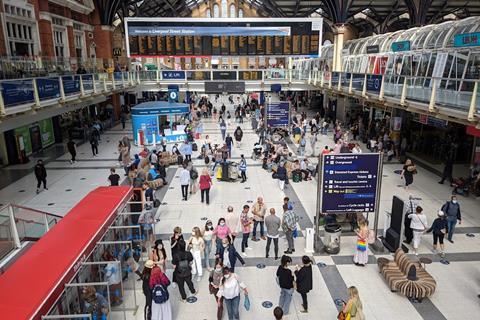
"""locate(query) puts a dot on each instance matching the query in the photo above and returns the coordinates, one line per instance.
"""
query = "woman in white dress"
(161, 308)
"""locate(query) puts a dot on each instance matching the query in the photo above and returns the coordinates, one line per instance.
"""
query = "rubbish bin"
(332, 238)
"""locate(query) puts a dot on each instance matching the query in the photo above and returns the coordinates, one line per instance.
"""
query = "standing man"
(113, 178)
(259, 209)
(272, 222)
(186, 149)
(41, 175)
(184, 181)
(94, 144)
(233, 222)
(223, 129)
(452, 211)
(448, 169)
(289, 223)
(242, 166)
(123, 119)
(72, 149)
(229, 143)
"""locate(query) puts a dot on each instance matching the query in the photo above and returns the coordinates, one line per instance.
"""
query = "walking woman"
(147, 269)
(207, 238)
(229, 255)
(285, 281)
(304, 281)
(419, 226)
(214, 282)
(205, 185)
(221, 232)
(230, 291)
(361, 253)
(161, 308)
(409, 169)
(354, 306)
(439, 229)
(158, 254)
(196, 245)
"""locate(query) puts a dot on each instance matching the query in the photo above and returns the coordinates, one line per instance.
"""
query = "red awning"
(32, 284)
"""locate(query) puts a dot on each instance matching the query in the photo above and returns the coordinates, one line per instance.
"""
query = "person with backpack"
(182, 273)
(452, 211)
(161, 307)
(41, 175)
(147, 291)
(242, 167)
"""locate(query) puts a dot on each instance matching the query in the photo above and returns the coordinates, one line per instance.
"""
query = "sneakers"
(288, 252)
(248, 248)
(442, 254)
(244, 254)
(254, 238)
(451, 241)
(304, 311)
(264, 238)
(199, 279)
(38, 191)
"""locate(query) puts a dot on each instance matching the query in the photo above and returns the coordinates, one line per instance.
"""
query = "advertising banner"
(401, 46)
(349, 182)
(46, 132)
(374, 82)
(278, 114)
(17, 92)
(71, 84)
(173, 75)
(357, 81)
(87, 82)
(48, 88)
(467, 40)
(23, 134)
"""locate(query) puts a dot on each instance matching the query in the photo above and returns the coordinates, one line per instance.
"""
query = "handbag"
(361, 245)
(246, 303)
(341, 315)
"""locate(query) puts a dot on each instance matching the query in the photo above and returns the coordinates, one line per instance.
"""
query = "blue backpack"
(160, 294)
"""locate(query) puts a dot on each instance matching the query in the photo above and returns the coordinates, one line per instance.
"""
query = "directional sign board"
(350, 182)
(278, 114)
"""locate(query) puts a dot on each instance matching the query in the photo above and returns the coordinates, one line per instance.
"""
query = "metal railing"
(19, 224)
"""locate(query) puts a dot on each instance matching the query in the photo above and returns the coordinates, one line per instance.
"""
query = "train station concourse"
(239, 159)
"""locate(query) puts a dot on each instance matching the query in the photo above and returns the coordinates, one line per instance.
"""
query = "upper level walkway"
(422, 95)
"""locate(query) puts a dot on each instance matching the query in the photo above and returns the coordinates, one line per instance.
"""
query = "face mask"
(193, 234)
(226, 276)
(454, 201)
(218, 269)
(222, 223)
(159, 247)
(225, 245)
(209, 227)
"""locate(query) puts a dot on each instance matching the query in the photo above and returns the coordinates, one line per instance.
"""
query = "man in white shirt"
(184, 181)
(233, 222)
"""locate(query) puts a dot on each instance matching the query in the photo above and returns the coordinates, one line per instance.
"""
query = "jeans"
(275, 246)
(285, 299)
(245, 241)
(255, 223)
(223, 134)
(451, 222)
(206, 253)
(243, 175)
(232, 308)
(289, 236)
(40, 181)
(206, 193)
(184, 191)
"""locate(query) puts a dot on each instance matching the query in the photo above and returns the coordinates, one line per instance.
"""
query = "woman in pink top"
(205, 184)
(221, 232)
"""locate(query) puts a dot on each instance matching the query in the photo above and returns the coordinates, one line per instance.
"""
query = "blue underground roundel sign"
(173, 95)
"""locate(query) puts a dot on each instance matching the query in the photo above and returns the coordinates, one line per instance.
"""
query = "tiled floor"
(458, 282)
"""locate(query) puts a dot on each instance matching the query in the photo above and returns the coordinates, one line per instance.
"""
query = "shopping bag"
(246, 303)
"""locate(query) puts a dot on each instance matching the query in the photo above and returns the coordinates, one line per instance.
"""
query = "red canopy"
(34, 282)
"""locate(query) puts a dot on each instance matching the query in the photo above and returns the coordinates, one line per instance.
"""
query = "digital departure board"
(223, 37)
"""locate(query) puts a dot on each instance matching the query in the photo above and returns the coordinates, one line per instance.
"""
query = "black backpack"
(193, 174)
(183, 268)
(160, 294)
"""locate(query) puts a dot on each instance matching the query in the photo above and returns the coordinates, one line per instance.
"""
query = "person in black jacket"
(285, 281)
(304, 281)
(439, 228)
(147, 269)
(182, 273)
(41, 175)
(229, 260)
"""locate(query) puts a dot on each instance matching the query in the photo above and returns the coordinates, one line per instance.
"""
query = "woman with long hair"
(214, 282)
(230, 292)
(158, 254)
(161, 308)
(205, 184)
(353, 306)
(361, 252)
(147, 269)
(207, 238)
(196, 245)
(409, 169)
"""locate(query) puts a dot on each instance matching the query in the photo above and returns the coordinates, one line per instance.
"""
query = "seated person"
(148, 192)
(296, 168)
(153, 174)
(304, 169)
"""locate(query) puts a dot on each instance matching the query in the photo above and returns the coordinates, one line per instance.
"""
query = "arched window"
(216, 11)
(240, 13)
(224, 9)
(208, 14)
(233, 13)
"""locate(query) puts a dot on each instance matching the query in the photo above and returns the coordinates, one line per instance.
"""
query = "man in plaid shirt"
(289, 223)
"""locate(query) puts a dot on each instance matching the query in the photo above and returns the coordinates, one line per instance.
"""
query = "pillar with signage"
(349, 183)
(173, 91)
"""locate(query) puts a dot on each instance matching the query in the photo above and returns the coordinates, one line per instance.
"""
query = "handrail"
(34, 210)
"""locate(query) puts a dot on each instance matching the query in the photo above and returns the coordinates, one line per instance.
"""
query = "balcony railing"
(20, 224)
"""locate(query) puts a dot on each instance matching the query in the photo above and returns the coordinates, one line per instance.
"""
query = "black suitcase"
(180, 160)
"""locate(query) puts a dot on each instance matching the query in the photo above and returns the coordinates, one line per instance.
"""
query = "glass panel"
(7, 243)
